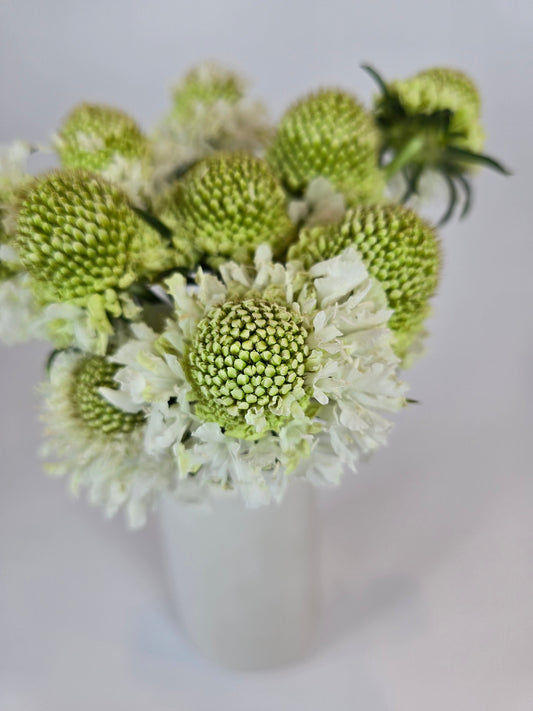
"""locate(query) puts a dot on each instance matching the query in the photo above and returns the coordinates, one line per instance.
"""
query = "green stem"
(143, 293)
(404, 157)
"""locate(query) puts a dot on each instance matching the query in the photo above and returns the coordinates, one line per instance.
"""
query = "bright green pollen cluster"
(247, 355)
(74, 235)
(202, 87)
(328, 134)
(95, 372)
(93, 135)
(226, 206)
(425, 100)
(398, 248)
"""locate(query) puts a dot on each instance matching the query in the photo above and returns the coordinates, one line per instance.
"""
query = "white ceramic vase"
(245, 582)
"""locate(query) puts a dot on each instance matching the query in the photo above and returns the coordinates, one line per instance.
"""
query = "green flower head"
(400, 251)
(330, 135)
(226, 206)
(440, 105)
(202, 87)
(79, 238)
(247, 355)
(432, 121)
(94, 436)
(211, 111)
(93, 136)
(92, 374)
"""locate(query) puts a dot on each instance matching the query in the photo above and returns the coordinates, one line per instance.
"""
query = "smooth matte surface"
(428, 552)
(245, 582)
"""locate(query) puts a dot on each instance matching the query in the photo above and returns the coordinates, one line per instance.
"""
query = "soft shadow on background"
(428, 551)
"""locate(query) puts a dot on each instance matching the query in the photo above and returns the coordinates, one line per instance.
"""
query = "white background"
(428, 552)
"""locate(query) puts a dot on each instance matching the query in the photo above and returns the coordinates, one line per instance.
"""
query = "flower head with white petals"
(97, 444)
(229, 301)
(261, 368)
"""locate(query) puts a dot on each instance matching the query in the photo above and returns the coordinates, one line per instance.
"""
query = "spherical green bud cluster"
(204, 86)
(441, 106)
(227, 205)
(328, 134)
(246, 355)
(93, 135)
(77, 236)
(398, 248)
(93, 373)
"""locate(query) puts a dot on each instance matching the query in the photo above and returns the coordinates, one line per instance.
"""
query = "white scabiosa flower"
(97, 444)
(105, 140)
(23, 318)
(264, 368)
(211, 111)
(211, 105)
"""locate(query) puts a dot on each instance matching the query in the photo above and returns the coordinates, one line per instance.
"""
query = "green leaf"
(412, 176)
(468, 195)
(452, 201)
(476, 158)
(376, 76)
(154, 222)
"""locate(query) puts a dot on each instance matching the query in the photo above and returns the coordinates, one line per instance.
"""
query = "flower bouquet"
(231, 304)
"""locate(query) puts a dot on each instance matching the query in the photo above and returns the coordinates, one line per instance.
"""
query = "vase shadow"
(391, 600)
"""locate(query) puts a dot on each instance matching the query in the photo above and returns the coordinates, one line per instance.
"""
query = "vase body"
(244, 581)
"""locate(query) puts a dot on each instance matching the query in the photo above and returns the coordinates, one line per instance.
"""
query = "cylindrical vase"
(245, 582)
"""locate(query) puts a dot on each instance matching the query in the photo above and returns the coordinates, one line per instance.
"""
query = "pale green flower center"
(328, 134)
(95, 372)
(75, 234)
(228, 205)
(247, 355)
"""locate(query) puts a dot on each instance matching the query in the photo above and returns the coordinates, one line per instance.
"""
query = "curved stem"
(476, 158)
(142, 292)
(51, 358)
(404, 157)
(154, 222)
(412, 179)
(452, 191)
(468, 195)
(377, 78)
